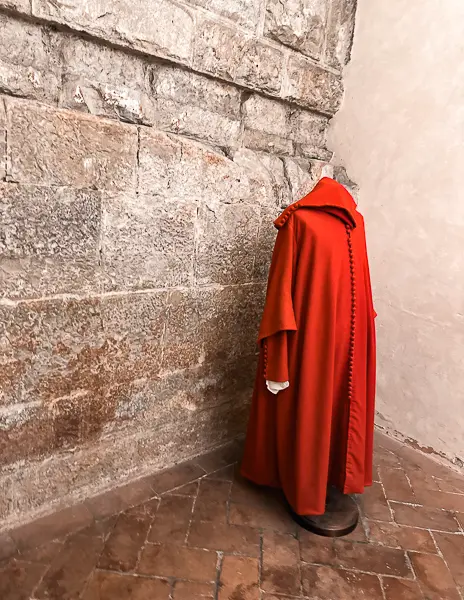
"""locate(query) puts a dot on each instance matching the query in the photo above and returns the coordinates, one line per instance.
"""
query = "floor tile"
(374, 504)
(117, 586)
(18, 579)
(317, 549)
(444, 500)
(327, 583)
(281, 564)
(137, 491)
(190, 489)
(434, 577)
(170, 560)
(425, 517)
(396, 485)
(358, 535)
(399, 589)
(123, 545)
(375, 559)
(52, 526)
(223, 457)
(246, 492)
(400, 536)
(105, 505)
(239, 579)
(42, 554)
(172, 519)
(234, 539)
(70, 569)
(452, 547)
(212, 499)
(225, 474)
(191, 590)
(176, 477)
(268, 516)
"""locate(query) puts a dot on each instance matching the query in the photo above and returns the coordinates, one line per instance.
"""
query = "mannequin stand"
(340, 517)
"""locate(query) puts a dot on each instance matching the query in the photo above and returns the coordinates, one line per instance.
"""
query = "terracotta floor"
(200, 531)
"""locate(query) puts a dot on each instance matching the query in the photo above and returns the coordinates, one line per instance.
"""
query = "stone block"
(226, 243)
(340, 32)
(166, 31)
(147, 241)
(186, 87)
(29, 64)
(300, 24)
(52, 349)
(133, 327)
(211, 326)
(23, 6)
(300, 177)
(49, 240)
(104, 81)
(309, 132)
(267, 234)
(231, 54)
(243, 12)
(2, 139)
(195, 106)
(312, 86)
(266, 142)
(232, 316)
(181, 169)
(57, 147)
(195, 122)
(266, 115)
(183, 342)
(265, 177)
(266, 125)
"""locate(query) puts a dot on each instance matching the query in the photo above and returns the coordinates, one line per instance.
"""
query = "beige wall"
(400, 134)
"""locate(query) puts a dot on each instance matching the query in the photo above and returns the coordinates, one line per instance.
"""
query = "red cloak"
(317, 332)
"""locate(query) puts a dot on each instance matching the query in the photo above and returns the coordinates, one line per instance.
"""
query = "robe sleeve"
(278, 316)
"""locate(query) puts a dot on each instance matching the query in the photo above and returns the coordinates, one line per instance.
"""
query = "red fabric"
(317, 332)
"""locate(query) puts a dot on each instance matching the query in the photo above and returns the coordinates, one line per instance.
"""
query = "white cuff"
(276, 386)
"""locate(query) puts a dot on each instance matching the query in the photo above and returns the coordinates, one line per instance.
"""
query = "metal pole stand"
(340, 517)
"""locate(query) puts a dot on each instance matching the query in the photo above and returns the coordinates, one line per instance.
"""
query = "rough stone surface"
(309, 133)
(340, 32)
(23, 6)
(168, 31)
(243, 12)
(300, 24)
(103, 81)
(48, 240)
(147, 241)
(27, 65)
(56, 147)
(2, 139)
(231, 54)
(312, 86)
(195, 106)
(266, 125)
(144, 155)
(226, 243)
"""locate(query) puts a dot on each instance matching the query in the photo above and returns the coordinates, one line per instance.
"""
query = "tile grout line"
(440, 554)
(194, 503)
(219, 563)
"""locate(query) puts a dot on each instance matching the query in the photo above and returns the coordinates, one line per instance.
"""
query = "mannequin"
(311, 424)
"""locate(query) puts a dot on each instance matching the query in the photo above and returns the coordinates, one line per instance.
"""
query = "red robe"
(317, 332)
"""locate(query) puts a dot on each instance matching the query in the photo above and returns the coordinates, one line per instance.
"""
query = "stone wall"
(144, 155)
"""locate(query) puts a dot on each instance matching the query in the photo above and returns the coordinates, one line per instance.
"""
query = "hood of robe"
(328, 195)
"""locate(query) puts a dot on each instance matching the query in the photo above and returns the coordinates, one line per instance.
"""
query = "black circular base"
(340, 517)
